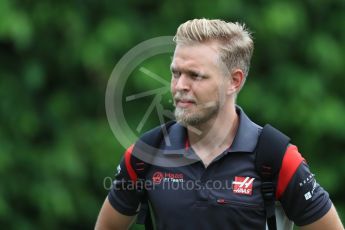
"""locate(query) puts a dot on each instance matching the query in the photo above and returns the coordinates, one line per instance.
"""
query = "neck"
(217, 133)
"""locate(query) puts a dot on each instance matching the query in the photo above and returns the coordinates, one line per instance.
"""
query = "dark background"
(56, 146)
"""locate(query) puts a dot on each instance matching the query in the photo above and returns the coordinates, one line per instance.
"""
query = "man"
(210, 65)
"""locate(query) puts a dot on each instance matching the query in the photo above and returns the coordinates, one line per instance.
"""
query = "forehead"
(198, 55)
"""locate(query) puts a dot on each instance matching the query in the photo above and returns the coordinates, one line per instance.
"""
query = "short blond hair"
(235, 41)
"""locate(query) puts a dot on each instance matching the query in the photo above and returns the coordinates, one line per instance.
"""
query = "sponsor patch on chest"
(159, 177)
(243, 185)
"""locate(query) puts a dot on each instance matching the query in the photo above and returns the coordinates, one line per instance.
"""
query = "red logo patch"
(243, 185)
(157, 177)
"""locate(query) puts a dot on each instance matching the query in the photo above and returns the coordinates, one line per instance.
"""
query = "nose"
(181, 83)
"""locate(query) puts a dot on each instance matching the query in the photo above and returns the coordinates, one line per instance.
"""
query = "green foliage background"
(56, 146)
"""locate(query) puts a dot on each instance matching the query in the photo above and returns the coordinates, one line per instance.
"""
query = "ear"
(236, 81)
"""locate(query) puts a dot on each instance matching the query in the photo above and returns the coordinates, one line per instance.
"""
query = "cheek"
(210, 93)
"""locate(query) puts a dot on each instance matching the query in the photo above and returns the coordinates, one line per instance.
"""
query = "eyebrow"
(173, 69)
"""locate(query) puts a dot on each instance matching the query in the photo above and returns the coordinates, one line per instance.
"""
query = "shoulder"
(291, 161)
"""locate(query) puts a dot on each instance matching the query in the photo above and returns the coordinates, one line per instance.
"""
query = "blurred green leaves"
(56, 146)
(285, 19)
(15, 24)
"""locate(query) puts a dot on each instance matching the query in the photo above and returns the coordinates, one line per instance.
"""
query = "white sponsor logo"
(309, 179)
(307, 196)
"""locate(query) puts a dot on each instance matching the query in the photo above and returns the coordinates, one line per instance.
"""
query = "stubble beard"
(196, 117)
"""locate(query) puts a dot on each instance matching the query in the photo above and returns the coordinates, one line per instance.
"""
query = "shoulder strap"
(154, 139)
(270, 151)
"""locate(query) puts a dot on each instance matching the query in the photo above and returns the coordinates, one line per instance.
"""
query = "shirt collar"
(247, 134)
(245, 139)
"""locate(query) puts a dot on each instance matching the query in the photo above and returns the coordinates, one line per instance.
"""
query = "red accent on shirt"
(130, 170)
(291, 161)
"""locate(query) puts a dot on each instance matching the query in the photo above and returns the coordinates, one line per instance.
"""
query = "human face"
(198, 84)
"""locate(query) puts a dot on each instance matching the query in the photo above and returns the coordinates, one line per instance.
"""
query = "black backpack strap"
(154, 139)
(141, 168)
(270, 151)
(144, 215)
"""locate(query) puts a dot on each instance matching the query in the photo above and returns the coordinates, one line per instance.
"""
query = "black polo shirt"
(225, 195)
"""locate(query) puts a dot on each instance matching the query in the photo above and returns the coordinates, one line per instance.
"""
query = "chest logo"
(243, 185)
(159, 177)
